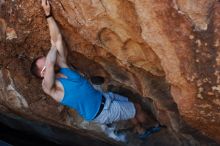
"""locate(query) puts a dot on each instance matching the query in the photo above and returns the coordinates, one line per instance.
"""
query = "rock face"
(166, 52)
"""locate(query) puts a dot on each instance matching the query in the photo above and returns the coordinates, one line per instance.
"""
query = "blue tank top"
(79, 94)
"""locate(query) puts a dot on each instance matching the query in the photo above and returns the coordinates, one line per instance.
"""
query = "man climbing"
(71, 89)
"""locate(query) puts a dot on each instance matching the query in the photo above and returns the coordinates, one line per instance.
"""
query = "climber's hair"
(34, 69)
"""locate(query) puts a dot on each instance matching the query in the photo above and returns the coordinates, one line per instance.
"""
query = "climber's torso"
(74, 91)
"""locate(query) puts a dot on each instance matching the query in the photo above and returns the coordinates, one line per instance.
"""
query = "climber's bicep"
(62, 52)
(49, 79)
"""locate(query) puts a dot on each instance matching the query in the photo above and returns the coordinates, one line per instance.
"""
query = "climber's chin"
(43, 70)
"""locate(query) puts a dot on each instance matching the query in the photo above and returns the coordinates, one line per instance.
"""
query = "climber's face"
(41, 66)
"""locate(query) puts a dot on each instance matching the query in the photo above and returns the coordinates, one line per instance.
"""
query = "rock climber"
(69, 88)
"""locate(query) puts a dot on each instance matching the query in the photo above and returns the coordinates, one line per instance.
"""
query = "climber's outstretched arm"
(56, 37)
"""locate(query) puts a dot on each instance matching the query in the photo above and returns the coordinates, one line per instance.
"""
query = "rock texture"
(165, 52)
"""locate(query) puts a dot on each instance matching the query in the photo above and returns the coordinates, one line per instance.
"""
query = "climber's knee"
(138, 108)
(134, 121)
(140, 114)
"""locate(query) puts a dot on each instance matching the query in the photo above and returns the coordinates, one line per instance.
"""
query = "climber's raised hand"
(55, 34)
(46, 6)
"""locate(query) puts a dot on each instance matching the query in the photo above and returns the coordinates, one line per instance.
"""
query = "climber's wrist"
(48, 15)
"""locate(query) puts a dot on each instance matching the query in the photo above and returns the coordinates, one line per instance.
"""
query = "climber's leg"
(115, 110)
(137, 126)
(118, 108)
(139, 119)
(143, 117)
(140, 114)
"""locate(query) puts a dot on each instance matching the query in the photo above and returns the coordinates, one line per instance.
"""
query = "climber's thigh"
(116, 111)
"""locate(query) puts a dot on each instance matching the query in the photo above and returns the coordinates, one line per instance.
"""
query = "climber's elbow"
(51, 57)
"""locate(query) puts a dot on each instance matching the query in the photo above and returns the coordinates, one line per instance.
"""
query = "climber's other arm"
(56, 37)
(49, 75)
